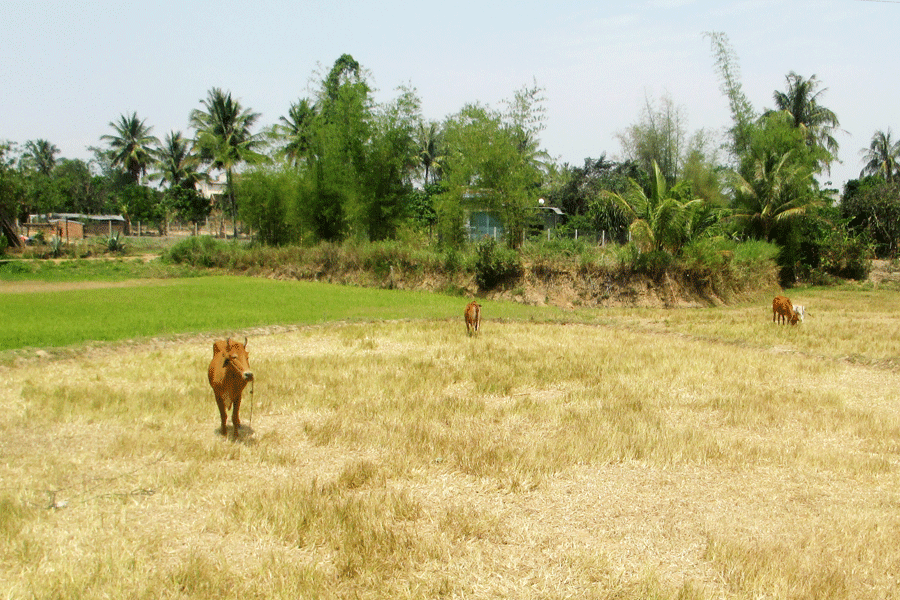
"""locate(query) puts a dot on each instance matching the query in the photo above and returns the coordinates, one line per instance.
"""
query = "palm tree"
(430, 153)
(224, 139)
(660, 221)
(882, 157)
(776, 193)
(42, 154)
(296, 128)
(132, 146)
(801, 101)
(176, 165)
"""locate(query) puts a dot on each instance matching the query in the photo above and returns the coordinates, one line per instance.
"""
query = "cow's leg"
(224, 415)
(236, 416)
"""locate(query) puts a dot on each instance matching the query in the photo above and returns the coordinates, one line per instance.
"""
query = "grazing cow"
(229, 373)
(473, 317)
(784, 311)
(800, 310)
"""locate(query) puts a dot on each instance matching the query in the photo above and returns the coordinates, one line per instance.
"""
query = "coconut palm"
(660, 220)
(132, 145)
(882, 157)
(42, 155)
(801, 101)
(296, 128)
(430, 140)
(778, 191)
(176, 164)
(224, 139)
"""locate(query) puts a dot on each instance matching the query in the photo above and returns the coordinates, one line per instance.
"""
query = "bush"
(846, 255)
(495, 265)
(56, 246)
(200, 251)
(654, 263)
(115, 244)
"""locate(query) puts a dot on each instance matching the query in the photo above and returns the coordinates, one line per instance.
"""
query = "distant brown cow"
(473, 317)
(229, 373)
(783, 311)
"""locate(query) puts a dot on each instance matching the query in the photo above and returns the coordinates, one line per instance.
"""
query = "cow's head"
(238, 359)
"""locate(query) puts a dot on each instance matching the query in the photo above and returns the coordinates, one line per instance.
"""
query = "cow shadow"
(243, 434)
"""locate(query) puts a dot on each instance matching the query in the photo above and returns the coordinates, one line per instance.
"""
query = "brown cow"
(229, 373)
(473, 317)
(783, 311)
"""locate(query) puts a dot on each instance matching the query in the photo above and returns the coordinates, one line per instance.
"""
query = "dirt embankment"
(565, 286)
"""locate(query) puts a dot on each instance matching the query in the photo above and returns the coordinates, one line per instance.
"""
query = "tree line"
(339, 165)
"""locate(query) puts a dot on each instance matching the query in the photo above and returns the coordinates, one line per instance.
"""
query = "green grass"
(112, 269)
(214, 304)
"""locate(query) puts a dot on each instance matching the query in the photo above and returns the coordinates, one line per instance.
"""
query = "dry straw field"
(634, 454)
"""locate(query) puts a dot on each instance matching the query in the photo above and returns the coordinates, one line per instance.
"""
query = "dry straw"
(665, 454)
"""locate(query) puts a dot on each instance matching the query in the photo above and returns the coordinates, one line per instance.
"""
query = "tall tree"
(41, 154)
(11, 194)
(493, 160)
(132, 145)
(177, 167)
(778, 191)
(801, 101)
(296, 129)
(430, 142)
(742, 113)
(224, 138)
(175, 163)
(882, 157)
(659, 137)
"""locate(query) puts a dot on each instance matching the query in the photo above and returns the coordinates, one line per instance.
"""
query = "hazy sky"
(69, 68)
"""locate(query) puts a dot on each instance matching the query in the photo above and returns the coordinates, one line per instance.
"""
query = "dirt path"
(26, 287)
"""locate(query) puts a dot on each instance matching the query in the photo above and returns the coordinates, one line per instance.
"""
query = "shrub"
(115, 244)
(56, 246)
(200, 251)
(846, 255)
(495, 265)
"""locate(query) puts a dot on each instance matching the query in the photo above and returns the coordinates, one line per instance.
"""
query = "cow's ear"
(245, 342)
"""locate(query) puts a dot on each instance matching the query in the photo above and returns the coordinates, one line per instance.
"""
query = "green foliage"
(872, 208)
(188, 204)
(495, 265)
(141, 203)
(654, 263)
(224, 138)
(493, 160)
(450, 217)
(115, 244)
(742, 112)
(270, 199)
(659, 137)
(57, 246)
(11, 192)
(816, 123)
(662, 220)
(882, 157)
(200, 251)
(355, 158)
(846, 255)
(774, 188)
(72, 188)
(131, 148)
(420, 206)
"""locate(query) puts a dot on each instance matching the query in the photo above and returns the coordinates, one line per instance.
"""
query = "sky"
(67, 69)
